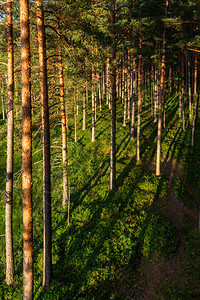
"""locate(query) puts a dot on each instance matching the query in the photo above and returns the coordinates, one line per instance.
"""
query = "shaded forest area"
(99, 149)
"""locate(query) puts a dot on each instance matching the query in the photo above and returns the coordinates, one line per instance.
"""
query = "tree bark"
(133, 102)
(183, 92)
(26, 153)
(84, 112)
(139, 103)
(189, 90)
(108, 81)
(129, 86)
(93, 100)
(75, 127)
(66, 194)
(160, 107)
(195, 99)
(113, 104)
(155, 95)
(10, 141)
(47, 254)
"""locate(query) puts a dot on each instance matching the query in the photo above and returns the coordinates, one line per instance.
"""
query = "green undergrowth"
(183, 195)
(110, 232)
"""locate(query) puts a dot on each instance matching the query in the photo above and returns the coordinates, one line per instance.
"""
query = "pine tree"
(47, 260)
(10, 141)
(26, 153)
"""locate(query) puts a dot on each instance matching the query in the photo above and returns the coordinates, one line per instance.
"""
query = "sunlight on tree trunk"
(47, 256)
(10, 142)
(26, 153)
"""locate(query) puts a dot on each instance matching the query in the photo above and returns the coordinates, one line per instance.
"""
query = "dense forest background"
(122, 79)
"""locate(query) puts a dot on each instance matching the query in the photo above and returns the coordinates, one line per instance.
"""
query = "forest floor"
(155, 273)
(140, 241)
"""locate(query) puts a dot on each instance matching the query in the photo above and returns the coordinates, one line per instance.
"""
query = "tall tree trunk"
(195, 99)
(75, 127)
(66, 193)
(183, 91)
(133, 102)
(26, 153)
(152, 89)
(189, 90)
(139, 103)
(47, 254)
(108, 80)
(10, 136)
(113, 104)
(129, 86)
(160, 102)
(93, 100)
(125, 102)
(179, 102)
(87, 93)
(155, 95)
(84, 112)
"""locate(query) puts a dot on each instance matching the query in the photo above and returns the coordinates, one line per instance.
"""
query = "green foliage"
(183, 195)
(159, 236)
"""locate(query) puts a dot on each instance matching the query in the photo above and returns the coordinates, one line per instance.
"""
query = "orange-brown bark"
(66, 194)
(47, 256)
(113, 105)
(26, 153)
(10, 136)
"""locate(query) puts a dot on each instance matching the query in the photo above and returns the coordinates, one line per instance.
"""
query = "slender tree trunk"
(93, 100)
(183, 91)
(75, 127)
(139, 103)
(66, 194)
(160, 102)
(155, 95)
(47, 255)
(113, 105)
(152, 89)
(84, 112)
(87, 93)
(26, 153)
(125, 102)
(10, 137)
(108, 81)
(77, 100)
(189, 90)
(195, 99)
(103, 85)
(129, 86)
(179, 59)
(133, 102)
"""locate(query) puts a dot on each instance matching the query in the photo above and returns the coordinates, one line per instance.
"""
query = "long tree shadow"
(91, 241)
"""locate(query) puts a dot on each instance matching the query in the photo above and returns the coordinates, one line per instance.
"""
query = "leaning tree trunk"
(66, 193)
(47, 254)
(113, 105)
(10, 136)
(26, 153)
